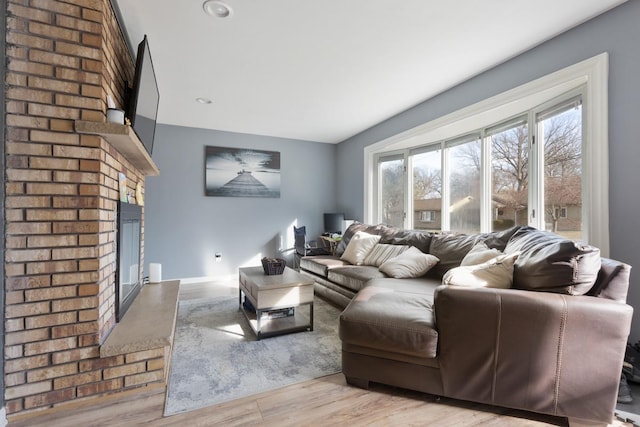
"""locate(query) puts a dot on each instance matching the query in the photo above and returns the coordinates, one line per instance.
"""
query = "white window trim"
(592, 72)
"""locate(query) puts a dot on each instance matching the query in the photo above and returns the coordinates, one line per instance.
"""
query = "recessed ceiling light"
(203, 100)
(217, 9)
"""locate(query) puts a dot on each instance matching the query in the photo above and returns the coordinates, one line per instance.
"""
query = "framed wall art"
(242, 172)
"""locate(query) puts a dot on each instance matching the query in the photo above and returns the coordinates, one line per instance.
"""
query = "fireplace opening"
(128, 274)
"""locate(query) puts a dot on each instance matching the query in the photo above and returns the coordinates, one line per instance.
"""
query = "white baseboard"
(216, 279)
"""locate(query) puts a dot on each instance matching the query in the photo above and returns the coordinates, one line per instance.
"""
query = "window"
(534, 160)
(509, 147)
(560, 213)
(501, 158)
(560, 134)
(463, 166)
(427, 216)
(391, 190)
(426, 165)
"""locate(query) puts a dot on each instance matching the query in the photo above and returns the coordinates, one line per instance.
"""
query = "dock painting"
(240, 172)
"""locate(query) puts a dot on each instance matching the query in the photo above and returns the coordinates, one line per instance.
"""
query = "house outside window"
(427, 216)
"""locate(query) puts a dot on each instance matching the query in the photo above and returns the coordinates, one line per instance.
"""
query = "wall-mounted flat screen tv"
(144, 98)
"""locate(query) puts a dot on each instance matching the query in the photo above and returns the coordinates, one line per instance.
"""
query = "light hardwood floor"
(326, 401)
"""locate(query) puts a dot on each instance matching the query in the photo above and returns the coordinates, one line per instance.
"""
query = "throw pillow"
(410, 263)
(382, 252)
(495, 273)
(347, 235)
(479, 253)
(359, 247)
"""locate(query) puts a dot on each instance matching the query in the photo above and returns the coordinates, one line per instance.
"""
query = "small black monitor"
(333, 222)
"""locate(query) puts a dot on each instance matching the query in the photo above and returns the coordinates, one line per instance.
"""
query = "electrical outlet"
(218, 257)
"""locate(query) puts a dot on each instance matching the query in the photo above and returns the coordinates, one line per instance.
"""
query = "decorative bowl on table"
(273, 266)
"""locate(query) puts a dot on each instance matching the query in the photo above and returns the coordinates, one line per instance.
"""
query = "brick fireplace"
(63, 59)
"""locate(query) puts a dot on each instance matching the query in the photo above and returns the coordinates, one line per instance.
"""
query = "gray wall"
(616, 32)
(184, 228)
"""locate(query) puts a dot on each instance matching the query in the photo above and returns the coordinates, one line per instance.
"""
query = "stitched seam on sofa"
(563, 323)
(431, 331)
(496, 353)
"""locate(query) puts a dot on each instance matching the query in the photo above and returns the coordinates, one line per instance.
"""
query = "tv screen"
(143, 104)
(333, 222)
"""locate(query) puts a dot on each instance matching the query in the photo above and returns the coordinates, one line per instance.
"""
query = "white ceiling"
(327, 70)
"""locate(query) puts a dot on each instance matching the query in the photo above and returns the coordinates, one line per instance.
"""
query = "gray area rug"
(216, 357)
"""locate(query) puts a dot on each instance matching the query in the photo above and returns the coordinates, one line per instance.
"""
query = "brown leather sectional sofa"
(552, 343)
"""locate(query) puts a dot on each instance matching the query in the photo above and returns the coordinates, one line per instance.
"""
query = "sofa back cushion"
(451, 249)
(418, 239)
(551, 263)
(388, 235)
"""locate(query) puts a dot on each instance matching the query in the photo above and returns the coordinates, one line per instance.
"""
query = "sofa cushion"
(479, 253)
(418, 239)
(321, 264)
(418, 285)
(359, 247)
(383, 319)
(494, 273)
(549, 262)
(410, 263)
(452, 248)
(499, 239)
(353, 277)
(382, 252)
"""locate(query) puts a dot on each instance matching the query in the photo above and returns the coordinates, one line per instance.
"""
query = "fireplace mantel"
(125, 140)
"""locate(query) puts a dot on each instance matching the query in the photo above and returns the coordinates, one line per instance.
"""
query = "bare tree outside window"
(562, 135)
(391, 174)
(427, 190)
(509, 177)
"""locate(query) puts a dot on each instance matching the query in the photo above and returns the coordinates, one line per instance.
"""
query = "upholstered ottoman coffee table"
(275, 301)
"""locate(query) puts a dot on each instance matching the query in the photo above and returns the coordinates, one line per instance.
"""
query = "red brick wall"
(63, 59)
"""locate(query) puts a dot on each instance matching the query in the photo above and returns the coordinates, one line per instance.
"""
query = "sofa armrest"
(550, 353)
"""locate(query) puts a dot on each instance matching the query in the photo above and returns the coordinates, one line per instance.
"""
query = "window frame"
(592, 74)
(388, 157)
